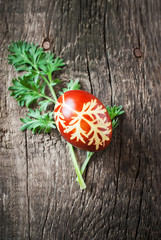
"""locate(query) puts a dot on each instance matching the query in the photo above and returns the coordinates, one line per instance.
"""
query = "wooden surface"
(113, 47)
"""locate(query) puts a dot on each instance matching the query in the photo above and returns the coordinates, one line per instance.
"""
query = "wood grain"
(39, 198)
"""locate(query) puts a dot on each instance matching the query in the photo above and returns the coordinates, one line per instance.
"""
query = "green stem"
(50, 87)
(50, 99)
(89, 155)
(79, 175)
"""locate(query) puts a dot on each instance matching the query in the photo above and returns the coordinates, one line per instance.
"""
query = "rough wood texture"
(39, 198)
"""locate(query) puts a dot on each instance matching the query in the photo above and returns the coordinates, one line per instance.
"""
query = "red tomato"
(83, 120)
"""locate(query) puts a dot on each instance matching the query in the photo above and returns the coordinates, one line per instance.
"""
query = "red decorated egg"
(83, 120)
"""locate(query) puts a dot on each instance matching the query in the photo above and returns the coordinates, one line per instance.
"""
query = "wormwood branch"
(30, 90)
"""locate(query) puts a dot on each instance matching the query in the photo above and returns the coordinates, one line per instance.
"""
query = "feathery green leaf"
(26, 57)
(114, 112)
(37, 122)
(27, 92)
(72, 85)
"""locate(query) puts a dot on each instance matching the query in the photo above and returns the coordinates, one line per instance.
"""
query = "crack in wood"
(140, 209)
(88, 72)
(127, 213)
(45, 219)
(106, 54)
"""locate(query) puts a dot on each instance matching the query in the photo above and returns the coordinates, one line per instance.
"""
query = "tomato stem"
(78, 172)
(89, 155)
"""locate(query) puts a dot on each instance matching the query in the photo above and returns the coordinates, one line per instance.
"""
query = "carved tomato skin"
(83, 120)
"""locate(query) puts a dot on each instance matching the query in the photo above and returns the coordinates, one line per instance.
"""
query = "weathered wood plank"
(39, 198)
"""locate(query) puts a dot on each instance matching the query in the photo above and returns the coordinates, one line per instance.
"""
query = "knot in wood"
(46, 45)
(138, 53)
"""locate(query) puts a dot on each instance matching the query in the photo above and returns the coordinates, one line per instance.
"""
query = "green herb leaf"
(38, 122)
(49, 65)
(115, 123)
(72, 85)
(44, 104)
(26, 57)
(55, 82)
(27, 92)
(114, 112)
(33, 75)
